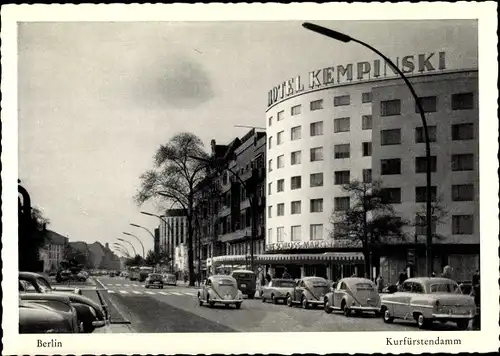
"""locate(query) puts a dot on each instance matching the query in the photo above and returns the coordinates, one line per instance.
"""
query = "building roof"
(53, 238)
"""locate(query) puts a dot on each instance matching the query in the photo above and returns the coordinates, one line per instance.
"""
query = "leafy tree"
(137, 260)
(370, 221)
(174, 178)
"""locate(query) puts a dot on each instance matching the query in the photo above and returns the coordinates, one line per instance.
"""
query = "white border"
(284, 343)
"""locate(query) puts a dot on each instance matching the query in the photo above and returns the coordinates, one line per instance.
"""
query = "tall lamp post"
(133, 248)
(171, 231)
(121, 248)
(252, 196)
(345, 38)
(138, 239)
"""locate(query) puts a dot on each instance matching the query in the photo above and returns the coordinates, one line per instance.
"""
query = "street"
(176, 309)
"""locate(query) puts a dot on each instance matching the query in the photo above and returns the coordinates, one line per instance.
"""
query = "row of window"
(459, 101)
(459, 132)
(342, 100)
(316, 180)
(460, 225)
(316, 206)
(459, 162)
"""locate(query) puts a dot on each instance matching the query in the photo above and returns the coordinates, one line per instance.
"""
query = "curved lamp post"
(170, 229)
(138, 239)
(133, 248)
(345, 38)
(121, 249)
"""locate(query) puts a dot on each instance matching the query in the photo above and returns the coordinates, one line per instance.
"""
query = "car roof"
(354, 280)
(282, 280)
(221, 276)
(29, 275)
(243, 271)
(313, 278)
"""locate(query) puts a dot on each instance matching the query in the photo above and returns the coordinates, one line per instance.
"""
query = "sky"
(96, 100)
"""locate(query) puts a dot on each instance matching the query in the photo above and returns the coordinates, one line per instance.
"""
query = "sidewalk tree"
(175, 175)
(369, 221)
(137, 260)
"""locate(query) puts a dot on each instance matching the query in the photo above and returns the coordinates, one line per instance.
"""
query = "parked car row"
(45, 309)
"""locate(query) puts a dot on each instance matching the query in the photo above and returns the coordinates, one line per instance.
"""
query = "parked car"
(169, 279)
(154, 280)
(35, 318)
(221, 289)
(277, 290)
(247, 282)
(308, 291)
(427, 300)
(353, 295)
(465, 287)
(91, 314)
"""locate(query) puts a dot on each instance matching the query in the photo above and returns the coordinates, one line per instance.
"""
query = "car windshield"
(155, 276)
(316, 283)
(363, 286)
(444, 288)
(243, 275)
(225, 282)
(284, 284)
(44, 285)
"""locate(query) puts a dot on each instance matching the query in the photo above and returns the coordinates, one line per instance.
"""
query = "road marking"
(110, 291)
(109, 284)
(190, 294)
(163, 293)
(117, 285)
(127, 285)
(123, 292)
(147, 292)
(136, 292)
(175, 293)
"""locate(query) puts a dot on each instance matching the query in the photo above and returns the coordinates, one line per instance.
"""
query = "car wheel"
(422, 322)
(273, 299)
(289, 301)
(238, 305)
(263, 299)
(146, 286)
(327, 308)
(387, 316)
(88, 328)
(200, 301)
(463, 324)
(251, 295)
(209, 302)
(304, 302)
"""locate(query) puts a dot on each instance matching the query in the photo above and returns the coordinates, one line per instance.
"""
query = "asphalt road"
(176, 309)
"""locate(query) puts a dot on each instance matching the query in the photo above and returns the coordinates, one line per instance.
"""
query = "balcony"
(245, 204)
(225, 211)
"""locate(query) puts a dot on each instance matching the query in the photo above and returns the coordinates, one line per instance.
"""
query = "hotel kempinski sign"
(340, 74)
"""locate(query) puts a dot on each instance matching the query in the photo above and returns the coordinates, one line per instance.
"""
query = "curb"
(125, 323)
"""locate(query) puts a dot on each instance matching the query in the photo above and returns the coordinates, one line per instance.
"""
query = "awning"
(339, 257)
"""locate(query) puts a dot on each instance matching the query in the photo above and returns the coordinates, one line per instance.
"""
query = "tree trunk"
(190, 241)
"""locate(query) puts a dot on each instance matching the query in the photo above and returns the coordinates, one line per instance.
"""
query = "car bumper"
(316, 302)
(452, 316)
(365, 309)
(99, 323)
(226, 301)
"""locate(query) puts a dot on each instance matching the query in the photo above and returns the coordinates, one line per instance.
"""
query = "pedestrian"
(433, 274)
(476, 293)
(268, 278)
(380, 283)
(447, 272)
(286, 275)
(403, 276)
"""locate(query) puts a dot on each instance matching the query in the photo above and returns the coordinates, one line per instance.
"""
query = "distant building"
(172, 232)
(53, 252)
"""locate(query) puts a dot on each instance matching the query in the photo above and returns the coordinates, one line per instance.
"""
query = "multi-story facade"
(53, 252)
(172, 233)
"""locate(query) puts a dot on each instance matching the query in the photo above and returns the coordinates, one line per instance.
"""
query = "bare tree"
(174, 178)
(369, 220)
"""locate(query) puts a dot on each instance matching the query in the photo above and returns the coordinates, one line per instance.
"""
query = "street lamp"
(171, 232)
(133, 248)
(345, 38)
(138, 239)
(121, 248)
(252, 197)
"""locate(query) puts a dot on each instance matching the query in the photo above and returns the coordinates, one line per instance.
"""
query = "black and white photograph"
(185, 178)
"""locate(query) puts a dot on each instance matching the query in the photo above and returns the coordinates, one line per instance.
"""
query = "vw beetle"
(353, 294)
(91, 314)
(221, 289)
(47, 316)
(308, 291)
(277, 289)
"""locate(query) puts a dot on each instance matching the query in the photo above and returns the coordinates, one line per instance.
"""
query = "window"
(280, 137)
(281, 161)
(296, 133)
(316, 205)
(341, 100)
(462, 101)
(462, 162)
(296, 110)
(421, 164)
(296, 207)
(390, 107)
(367, 175)
(316, 231)
(342, 177)
(269, 235)
(316, 179)
(317, 128)
(419, 134)
(366, 97)
(391, 195)
(295, 158)
(366, 122)
(316, 154)
(390, 137)
(270, 211)
(270, 142)
(316, 105)
(462, 132)
(342, 151)
(280, 233)
(280, 209)
(390, 166)
(296, 232)
(367, 149)
(342, 203)
(462, 224)
(270, 121)
(270, 165)
(281, 115)
(421, 194)
(341, 124)
(421, 225)
(281, 185)
(462, 192)
(269, 186)
(429, 104)
(296, 182)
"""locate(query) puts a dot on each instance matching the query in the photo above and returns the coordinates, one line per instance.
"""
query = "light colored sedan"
(426, 300)
(221, 289)
(353, 294)
(277, 290)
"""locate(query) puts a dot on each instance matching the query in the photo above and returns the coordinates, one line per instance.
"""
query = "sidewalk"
(114, 329)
